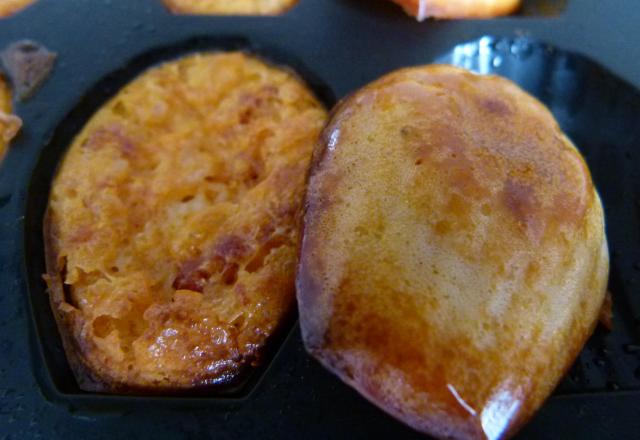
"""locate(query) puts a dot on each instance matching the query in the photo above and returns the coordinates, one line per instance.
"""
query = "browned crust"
(87, 380)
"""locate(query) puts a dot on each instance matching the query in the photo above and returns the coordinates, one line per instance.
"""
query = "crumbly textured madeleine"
(422, 9)
(10, 7)
(9, 123)
(227, 7)
(172, 226)
(454, 259)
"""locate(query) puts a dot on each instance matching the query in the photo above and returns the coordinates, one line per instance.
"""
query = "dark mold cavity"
(56, 378)
(632, 348)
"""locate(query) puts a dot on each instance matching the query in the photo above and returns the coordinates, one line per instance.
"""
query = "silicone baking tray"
(565, 53)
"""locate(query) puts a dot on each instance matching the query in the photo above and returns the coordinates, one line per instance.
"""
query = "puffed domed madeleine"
(10, 7)
(9, 123)
(454, 258)
(229, 7)
(422, 9)
(173, 224)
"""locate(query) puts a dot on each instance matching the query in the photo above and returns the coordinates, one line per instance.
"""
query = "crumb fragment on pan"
(229, 7)
(11, 7)
(28, 64)
(422, 9)
(10, 124)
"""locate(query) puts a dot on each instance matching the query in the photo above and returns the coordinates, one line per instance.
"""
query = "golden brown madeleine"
(229, 7)
(454, 259)
(9, 124)
(10, 7)
(422, 9)
(173, 223)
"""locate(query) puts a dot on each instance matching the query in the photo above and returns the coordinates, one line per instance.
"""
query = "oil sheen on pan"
(172, 226)
(11, 7)
(454, 260)
(230, 7)
(422, 9)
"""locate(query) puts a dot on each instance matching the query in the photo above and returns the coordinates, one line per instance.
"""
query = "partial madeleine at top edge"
(458, 9)
(229, 7)
(12, 7)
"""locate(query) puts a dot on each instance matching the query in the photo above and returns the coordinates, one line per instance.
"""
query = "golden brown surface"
(230, 7)
(9, 124)
(173, 222)
(422, 9)
(10, 7)
(453, 260)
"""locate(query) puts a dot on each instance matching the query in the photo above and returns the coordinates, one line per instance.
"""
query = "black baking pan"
(580, 57)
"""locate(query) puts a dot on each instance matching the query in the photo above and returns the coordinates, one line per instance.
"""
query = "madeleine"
(173, 224)
(422, 9)
(454, 259)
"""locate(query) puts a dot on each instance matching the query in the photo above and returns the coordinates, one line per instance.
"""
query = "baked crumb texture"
(172, 225)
